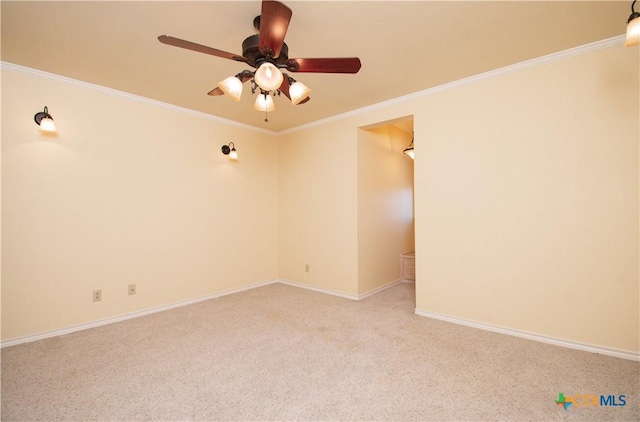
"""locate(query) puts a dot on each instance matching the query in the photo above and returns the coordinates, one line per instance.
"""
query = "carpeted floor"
(283, 353)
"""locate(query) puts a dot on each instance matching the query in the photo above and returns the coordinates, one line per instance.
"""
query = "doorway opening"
(386, 228)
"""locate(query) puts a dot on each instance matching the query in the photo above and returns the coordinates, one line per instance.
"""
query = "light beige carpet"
(284, 353)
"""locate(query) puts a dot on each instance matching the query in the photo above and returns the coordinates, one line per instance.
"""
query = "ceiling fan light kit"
(268, 77)
(264, 102)
(298, 91)
(268, 53)
(232, 87)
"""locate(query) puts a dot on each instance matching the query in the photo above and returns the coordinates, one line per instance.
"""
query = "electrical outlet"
(97, 295)
(306, 268)
(132, 289)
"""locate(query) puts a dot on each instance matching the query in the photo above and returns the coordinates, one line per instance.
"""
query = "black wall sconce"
(45, 121)
(409, 150)
(230, 150)
(633, 27)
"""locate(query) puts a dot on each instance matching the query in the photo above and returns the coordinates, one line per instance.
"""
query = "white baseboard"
(106, 321)
(379, 289)
(531, 336)
(318, 289)
(460, 321)
(136, 314)
(339, 293)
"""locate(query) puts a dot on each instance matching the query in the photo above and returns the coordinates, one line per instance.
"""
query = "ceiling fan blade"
(284, 86)
(177, 42)
(274, 22)
(325, 65)
(215, 92)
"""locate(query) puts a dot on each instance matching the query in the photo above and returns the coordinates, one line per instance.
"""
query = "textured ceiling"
(404, 46)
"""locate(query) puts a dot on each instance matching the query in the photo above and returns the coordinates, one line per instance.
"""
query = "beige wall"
(318, 207)
(385, 205)
(128, 192)
(527, 200)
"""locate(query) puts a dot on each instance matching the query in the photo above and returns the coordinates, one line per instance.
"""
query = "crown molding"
(550, 58)
(69, 81)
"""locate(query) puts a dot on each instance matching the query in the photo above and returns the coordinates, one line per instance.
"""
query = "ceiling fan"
(267, 53)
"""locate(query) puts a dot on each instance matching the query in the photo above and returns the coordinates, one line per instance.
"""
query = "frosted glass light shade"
(233, 155)
(264, 102)
(47, 125)
(232, 87)
(633, 32)
(268, 77)
(409, 152)
(298, 92)
(45, 121)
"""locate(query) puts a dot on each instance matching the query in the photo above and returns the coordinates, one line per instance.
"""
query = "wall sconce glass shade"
(268, 77)
(409, 152)
(298, 92)
(264, 102)
(633, 30)
(231, 86)
(47, 125)
(45, 121)
(230, 150)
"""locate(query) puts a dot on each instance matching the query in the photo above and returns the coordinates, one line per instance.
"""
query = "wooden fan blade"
(325, 65)
(274, 22)
(215, 92)
(284, 86)
(177, 42)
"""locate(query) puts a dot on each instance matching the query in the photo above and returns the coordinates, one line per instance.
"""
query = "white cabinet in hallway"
(408, 266)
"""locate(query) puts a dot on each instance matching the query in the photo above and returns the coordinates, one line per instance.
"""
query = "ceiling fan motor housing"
(251, 51)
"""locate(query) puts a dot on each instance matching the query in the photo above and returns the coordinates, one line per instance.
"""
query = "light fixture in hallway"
(409, 150)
